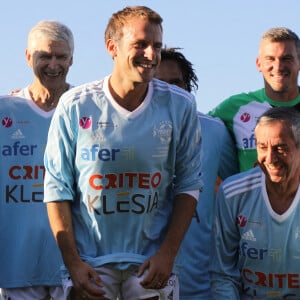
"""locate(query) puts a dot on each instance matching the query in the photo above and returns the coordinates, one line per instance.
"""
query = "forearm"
(60, 218)
(184, 208)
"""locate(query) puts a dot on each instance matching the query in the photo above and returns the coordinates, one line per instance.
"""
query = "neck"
(45, 98)
(129, 98)
(282, 96)
(281, 195)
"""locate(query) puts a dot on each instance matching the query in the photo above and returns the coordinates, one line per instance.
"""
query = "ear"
(28, 58)
(258, 64)
(111, 48)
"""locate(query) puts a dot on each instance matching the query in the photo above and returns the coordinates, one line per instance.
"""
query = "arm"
(160, 265)
(225, 275)
(82, 274)
(228, 164)
(188, 153)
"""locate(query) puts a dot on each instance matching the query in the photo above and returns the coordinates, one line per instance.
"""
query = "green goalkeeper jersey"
(240, 113)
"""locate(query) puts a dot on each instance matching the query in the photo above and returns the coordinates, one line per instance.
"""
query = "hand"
(86, 282)
(159, 267)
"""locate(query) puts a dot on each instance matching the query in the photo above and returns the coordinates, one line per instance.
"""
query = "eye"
(262, 147)
(282, 150)
(141, 45)
(288, 58)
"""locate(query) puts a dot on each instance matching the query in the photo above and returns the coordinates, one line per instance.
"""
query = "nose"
(277, 64)
(150, 52)
(271, 156)
(52, 62)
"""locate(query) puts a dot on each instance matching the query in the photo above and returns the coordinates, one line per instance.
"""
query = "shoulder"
(213, 125)
(242, 183)
(82, 92)
(210, 120)
(11, 100)
(172, 92)
(234, 102)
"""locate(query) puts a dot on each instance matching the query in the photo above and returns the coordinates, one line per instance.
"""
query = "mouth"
(51, 74)
(273, 169)
(280, 76)
(148, 66)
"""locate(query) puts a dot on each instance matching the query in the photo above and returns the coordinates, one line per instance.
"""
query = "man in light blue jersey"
(257, 242)
(29, 257)
(279, 62)
(219, 158)
(114, 146)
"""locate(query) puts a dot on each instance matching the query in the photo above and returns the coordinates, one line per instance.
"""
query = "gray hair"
(285, 114)
(53, 31)
(280, 34)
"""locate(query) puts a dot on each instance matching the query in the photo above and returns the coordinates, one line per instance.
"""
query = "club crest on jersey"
(164, 132)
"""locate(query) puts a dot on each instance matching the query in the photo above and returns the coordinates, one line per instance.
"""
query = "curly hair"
(189, 76)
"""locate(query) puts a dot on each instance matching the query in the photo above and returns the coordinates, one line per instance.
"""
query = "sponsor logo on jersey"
(7, 122)
(85, 122)
(124, 201)
(244, 123)
(252, 252)
(249, 236)
(128, 180)
(266, 280)
(241, 221)
(18, 134)
(18, 149)
(25, 193)
(95, 152)
(249, 142)
(27, 172)
(245, 117)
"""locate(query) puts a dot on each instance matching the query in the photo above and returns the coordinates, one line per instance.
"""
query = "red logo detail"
(245, 117)
(6, 122)
(241, 220)
(85, 122)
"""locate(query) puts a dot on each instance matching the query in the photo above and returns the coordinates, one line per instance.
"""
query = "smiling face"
(279, 63)
(278, 155)
(136, 54)
(50, 61)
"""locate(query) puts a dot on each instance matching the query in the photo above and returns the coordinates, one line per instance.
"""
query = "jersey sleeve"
(189, 154)
(59, 158)
(228, 164)
(225, 275)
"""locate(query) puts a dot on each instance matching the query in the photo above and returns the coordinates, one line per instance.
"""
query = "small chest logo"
(245, 117)
(85, 122)
(7, 122)
(164, 132)
(241, 221)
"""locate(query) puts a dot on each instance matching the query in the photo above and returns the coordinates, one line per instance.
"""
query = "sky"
(219, 37)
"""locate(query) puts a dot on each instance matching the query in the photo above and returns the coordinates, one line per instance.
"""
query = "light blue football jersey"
(219, 158)
(117, 166)
(257, 251)
(29, 255)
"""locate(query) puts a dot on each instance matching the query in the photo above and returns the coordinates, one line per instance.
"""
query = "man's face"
(50, 61)
(169, 71)
(137, 53)
(279, 63)
(277, 153)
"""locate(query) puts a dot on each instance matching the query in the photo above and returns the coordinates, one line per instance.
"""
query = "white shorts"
(126, 285)
(33, 292)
